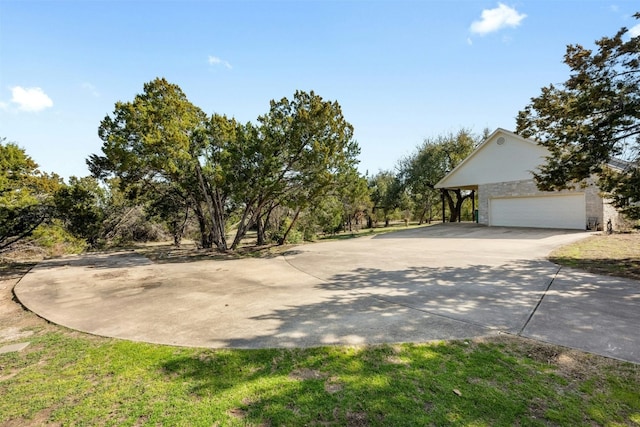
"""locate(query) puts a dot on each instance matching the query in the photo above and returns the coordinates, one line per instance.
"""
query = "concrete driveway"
(442, 282)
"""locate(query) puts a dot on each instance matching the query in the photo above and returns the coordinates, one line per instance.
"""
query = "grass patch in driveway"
(66, 378)
(615, 254)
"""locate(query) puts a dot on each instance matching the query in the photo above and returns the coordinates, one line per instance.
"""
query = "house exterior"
(500, 171)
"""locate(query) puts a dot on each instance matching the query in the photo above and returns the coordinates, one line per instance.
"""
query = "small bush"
(54, 240)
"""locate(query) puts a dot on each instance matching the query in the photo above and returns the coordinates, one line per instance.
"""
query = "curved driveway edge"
(442, 282)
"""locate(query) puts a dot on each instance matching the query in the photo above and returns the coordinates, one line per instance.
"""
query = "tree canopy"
(231, 175)
(591, 119)
(25, 195)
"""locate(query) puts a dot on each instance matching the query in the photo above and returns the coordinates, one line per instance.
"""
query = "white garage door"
(565, 211)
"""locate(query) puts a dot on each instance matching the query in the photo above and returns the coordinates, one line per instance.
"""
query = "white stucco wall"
(504, 157)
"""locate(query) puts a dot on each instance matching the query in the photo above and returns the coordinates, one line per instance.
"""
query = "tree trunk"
(219, 222)
(422, 215)
(286, 233)
(260, 228)
(453, 213)
(242, 227)
(263, 225)
(215, 207)
(455, 206)
(178, 229)
(206, 240)
(459, 200)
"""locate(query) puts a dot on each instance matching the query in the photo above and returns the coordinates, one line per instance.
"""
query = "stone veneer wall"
(609, 212)
(527, 188)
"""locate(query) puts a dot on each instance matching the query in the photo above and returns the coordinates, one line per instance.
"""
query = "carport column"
(442, 197)
(473, 205)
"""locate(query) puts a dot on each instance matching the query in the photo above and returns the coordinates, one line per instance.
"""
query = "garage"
(558, 211)
(499, 172)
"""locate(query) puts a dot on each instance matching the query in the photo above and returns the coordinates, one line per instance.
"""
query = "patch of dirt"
(543, 353)
(238, 413)
(166, 253)
(306, 374)
(615, 255)
(566, 362)
(357, 419)
(395, 360)
(16, 323)
(41, 418)
(13, 333)
(537, 408)
(333, 385)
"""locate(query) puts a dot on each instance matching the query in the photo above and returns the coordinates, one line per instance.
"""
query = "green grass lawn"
(68, 378)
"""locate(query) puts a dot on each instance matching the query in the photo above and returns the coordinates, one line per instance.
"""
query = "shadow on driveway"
(353, 292)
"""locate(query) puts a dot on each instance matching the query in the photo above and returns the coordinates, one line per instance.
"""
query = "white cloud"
(496, 19)
(634, 31)
(90, 88)
(30, 99)
(214, 60)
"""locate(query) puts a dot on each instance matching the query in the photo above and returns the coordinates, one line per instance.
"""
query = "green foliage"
(55, 240)
(353, 193)
(304, 144)
(25, 195)
(287, 233)
(160, 137)
(19, 222)
(420, 172)
(171, 206)
(324, 217)
(79, 207)
(385, 189)
(229, 175)
(150, 136)
(38, 210)
(590, 119)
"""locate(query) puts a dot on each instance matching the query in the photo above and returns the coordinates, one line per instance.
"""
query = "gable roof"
(504, 156)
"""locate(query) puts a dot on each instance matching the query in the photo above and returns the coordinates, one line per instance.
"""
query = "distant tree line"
(168, 170)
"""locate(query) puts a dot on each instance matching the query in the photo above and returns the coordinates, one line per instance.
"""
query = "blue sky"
(401, 70)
